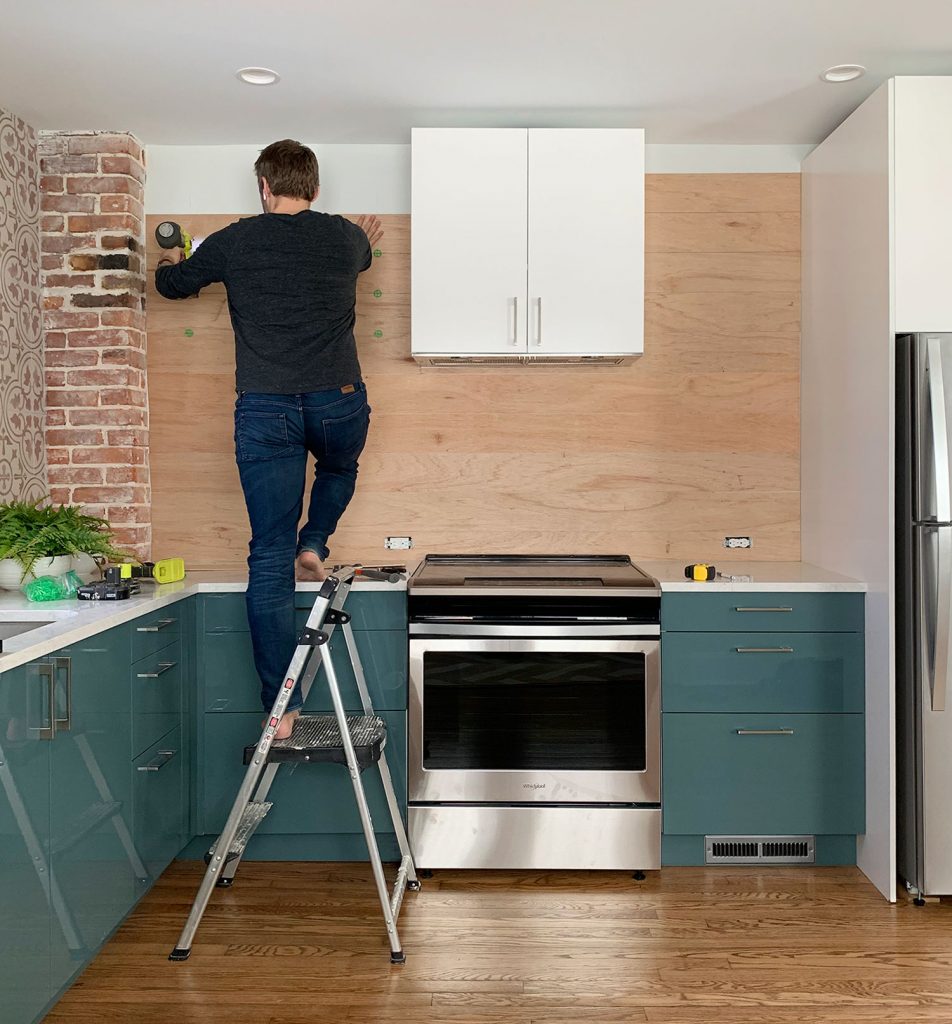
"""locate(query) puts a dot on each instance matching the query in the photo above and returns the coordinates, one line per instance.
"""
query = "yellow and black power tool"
(700, 572)
(173, 236)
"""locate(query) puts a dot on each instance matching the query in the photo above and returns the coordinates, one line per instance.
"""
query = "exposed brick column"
(92, 241)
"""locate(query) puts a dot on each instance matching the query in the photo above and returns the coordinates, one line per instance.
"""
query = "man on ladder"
(291, 278)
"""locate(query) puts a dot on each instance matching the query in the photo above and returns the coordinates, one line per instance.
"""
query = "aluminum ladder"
(356, 741)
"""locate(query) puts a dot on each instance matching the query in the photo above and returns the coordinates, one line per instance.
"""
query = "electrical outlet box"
(398, 543)
(737, 542)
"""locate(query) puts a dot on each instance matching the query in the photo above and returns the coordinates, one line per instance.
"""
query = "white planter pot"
(11, 572)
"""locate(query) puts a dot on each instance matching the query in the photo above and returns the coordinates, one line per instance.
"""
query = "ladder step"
(254, 814)
(317, 740)
(83, 824)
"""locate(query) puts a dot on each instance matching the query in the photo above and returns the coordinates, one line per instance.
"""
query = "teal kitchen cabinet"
(93, 856)
(86, 825)
(314, 814)
(26, 888)
(763, 731)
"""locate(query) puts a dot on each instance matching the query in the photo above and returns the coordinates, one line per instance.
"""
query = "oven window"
(546, 711)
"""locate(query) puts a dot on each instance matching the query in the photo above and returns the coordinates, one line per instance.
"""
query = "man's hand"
(371, 227)
(170, 257)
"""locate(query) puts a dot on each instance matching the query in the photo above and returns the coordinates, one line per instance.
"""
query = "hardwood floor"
(687, 945)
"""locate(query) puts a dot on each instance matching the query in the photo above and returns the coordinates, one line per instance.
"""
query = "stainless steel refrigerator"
(924, 611)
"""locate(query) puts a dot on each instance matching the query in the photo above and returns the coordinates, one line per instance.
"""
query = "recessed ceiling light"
(258, 76)
(843, 73)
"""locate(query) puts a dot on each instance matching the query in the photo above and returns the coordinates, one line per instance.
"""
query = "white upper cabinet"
(468, 247)
(527, 243)
(922, 203)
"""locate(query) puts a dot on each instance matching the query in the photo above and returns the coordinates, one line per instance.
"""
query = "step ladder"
(356, 741)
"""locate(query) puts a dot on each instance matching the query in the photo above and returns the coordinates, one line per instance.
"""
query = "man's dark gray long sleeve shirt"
(291, 281)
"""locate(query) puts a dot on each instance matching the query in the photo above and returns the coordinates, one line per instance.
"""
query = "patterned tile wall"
(22, 413)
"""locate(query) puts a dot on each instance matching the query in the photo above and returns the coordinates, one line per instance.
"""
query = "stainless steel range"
(534, 712)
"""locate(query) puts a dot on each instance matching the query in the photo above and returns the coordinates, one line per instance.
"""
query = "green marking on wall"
(378, 334)
(189, 332)
(377, 253)
(377, 293)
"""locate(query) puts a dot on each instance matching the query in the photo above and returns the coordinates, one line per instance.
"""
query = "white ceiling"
(357, 71)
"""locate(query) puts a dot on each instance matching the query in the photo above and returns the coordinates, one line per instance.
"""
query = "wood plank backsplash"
(698, 439)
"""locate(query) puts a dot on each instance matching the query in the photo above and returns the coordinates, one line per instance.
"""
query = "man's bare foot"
(309, 568)
(285, 726)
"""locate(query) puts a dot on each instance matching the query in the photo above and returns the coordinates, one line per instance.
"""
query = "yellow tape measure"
(700, 573)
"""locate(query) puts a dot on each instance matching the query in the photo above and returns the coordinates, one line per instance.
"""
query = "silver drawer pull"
(764, 650)
(164, 666)
(764, 732)
(763, 609)
(161, 624)
(159, 763)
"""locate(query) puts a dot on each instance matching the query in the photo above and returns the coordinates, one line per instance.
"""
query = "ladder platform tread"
(316, 739)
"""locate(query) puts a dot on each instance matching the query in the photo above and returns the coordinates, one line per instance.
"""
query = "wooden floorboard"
(305, 944)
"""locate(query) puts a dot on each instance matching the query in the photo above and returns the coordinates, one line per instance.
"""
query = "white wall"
(376, 179)
(847, 413)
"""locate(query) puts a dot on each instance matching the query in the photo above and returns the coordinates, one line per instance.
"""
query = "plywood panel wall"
(696, 440)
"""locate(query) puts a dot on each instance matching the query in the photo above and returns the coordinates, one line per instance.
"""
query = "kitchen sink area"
(15, 622)
(10, 628)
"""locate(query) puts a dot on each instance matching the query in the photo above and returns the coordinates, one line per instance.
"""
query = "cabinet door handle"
(159, 762)
(763, 609)
(538, 322)
(64, 724)
(161, 669)
(161, 624)
(764, 650)
(514, 320)
(47, 676)
(764, 732)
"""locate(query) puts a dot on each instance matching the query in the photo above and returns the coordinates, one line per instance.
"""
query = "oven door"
(534, 720)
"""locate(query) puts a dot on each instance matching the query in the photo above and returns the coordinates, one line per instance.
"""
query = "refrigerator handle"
(938, 665)
(940, 428)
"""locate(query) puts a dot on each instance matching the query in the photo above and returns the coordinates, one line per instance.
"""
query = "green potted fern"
(42, 540)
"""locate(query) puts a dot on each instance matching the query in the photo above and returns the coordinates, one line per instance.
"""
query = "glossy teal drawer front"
(756, 773)
(310, 799)
(223, 613)
(763, 672)
(153, 632)
(376, 609)
(767, 612)
(156, 695)
(159, 804)
(231, 683)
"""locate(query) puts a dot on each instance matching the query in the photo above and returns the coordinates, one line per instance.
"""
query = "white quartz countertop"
(69, 622)
(764, 577)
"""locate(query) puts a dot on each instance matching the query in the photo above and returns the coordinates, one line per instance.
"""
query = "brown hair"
(291, 169)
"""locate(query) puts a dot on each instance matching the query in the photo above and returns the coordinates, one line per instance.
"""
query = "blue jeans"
(273, 436)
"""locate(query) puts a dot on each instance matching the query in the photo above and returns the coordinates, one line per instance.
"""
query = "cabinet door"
(922, 217)
(94, 858)
(469, 241)
(26, 918)
(586, 241)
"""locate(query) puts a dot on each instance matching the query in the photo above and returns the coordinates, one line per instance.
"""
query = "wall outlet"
(737, 542)
(398, 543)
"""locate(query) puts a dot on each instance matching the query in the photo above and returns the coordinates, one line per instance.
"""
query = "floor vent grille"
(759, 849)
